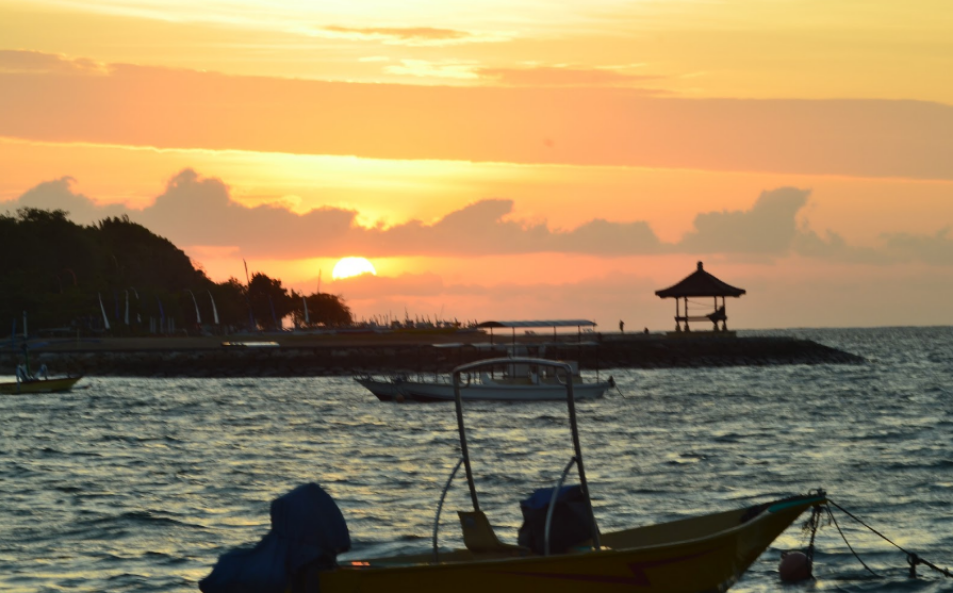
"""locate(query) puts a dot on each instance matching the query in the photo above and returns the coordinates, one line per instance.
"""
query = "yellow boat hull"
(696, 555)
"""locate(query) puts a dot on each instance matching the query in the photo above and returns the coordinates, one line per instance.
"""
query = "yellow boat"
(54, 385)
(701, 554)
(695, 555)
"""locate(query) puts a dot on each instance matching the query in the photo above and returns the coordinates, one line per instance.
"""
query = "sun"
(352, 266)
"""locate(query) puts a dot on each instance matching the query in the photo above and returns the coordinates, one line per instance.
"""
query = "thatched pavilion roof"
(700, 284)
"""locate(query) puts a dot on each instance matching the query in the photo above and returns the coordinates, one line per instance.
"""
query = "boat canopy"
(553, 323)
(543, 323)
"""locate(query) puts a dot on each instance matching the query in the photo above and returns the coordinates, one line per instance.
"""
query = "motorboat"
(517, 383)
(560, 547)
(40, 382)
(38, 385)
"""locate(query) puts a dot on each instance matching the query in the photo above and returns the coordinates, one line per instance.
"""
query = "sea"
(139, 485)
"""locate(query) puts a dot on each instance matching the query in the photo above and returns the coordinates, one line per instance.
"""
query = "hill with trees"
(118, 278)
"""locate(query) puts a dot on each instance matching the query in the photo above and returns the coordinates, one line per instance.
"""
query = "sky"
(508, 160)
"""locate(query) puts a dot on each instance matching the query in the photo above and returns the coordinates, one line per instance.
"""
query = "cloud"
(932, 249)
(198, 211)
(427, 69)
(598, 124)
(601, 237)
(832, 247)
(411, 36)
(34, 62)
(558, 76)
(58, 194)
(768, 228)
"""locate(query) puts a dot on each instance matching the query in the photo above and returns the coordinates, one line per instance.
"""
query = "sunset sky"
(508, 160)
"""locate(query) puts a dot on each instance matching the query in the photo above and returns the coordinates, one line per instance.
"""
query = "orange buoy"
(794, 567)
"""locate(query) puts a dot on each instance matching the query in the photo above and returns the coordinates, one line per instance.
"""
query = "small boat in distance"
(559, 548)
(519, 382)
(27, 381)
(38, 385)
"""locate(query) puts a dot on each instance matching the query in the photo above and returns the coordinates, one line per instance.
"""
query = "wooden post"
(688, 329)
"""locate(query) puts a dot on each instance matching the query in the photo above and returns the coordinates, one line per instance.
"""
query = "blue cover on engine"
(540, 498)
(307, 533)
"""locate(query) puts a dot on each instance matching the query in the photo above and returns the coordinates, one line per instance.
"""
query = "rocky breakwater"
(340, 359)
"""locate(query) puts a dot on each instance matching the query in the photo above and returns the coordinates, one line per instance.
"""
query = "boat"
(518, 383)
(556, 550)
(38, 385)
(28, 382)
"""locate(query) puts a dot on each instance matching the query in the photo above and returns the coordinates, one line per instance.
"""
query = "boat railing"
(559, 368)
(443, 496)
(552, 505)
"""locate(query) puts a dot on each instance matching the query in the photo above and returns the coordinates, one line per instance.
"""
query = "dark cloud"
(768, 228)
(832, 247)
(197, 211)
(59, 195)
(932, 249)
(601, 237)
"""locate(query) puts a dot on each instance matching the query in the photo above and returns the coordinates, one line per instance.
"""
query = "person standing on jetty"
(621, 327)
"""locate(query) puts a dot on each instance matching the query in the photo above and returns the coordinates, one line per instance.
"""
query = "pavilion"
(700, 284)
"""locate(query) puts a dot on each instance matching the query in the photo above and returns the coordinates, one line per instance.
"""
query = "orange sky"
(507, 159)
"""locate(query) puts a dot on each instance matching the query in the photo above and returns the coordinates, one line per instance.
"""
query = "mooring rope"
(844, 537)
(912, 559)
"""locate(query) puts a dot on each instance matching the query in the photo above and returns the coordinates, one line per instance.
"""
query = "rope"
(834, 519)
(912, 559)
(813, 523)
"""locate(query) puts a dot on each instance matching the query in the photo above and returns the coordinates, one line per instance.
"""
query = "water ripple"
(139, 484)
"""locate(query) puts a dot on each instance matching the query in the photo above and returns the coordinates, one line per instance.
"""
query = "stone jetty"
(296, 355)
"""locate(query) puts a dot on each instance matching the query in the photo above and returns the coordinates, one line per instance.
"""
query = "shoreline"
(297, 355)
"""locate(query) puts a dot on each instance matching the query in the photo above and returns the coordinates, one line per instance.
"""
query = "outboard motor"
(307, 533)
(571, 524)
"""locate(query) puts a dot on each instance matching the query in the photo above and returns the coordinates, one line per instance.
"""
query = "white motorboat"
(518, 383)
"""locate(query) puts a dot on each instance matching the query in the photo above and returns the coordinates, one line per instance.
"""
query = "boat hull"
(419, 391)
(686, 557)
(56, 385)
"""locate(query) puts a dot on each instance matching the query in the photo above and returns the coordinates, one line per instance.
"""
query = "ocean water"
(140, 484)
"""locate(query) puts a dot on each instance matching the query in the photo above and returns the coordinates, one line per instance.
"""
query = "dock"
(298, 355)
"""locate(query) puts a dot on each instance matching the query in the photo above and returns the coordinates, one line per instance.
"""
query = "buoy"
(399, 398)
(794, 567)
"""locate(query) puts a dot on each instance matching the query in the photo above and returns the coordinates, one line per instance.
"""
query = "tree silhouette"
(57, 271)
(270, 301)
(323, 310)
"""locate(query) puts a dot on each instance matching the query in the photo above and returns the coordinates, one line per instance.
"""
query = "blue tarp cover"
(540, 498)
(307, 530)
